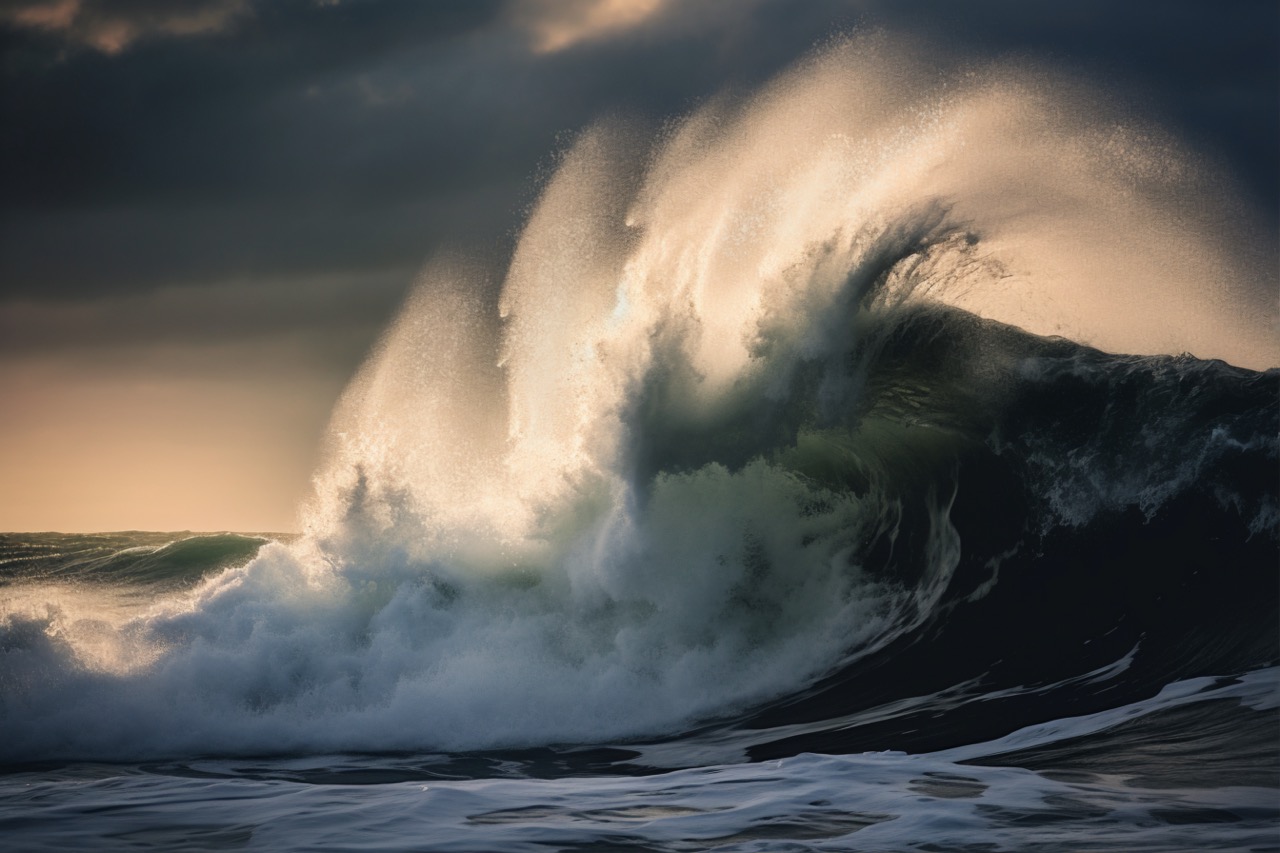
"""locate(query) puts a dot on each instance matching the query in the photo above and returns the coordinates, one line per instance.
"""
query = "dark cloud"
(264, 113)
(188, 162)
(235, 312)
(298, 137)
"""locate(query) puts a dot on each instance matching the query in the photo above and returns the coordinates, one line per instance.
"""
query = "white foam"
(487, 561)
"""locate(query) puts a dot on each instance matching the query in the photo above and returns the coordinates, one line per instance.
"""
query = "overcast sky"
(211, 207)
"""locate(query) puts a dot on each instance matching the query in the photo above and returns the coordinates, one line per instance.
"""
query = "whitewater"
(884, 460)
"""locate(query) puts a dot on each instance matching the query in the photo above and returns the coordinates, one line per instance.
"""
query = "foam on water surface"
(734, 460)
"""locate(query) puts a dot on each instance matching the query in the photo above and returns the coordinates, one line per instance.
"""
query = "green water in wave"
(126, 558)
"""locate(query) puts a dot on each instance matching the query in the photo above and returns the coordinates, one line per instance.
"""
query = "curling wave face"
(725, 438)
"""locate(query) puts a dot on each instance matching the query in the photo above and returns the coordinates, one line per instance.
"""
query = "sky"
(211, 208)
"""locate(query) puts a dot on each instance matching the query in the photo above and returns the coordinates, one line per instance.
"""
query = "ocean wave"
(762, 431)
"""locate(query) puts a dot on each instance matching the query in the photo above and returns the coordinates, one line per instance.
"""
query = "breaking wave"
(761, 430)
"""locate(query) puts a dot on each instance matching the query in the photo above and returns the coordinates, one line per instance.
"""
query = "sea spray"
(671, 473)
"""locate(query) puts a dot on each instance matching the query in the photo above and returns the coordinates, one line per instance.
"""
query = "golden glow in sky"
(558, 25)
(87, 449)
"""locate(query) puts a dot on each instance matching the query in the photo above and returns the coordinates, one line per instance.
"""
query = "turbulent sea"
(770, 500)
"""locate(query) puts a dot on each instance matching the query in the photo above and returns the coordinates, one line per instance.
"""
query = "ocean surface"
(786, 493)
